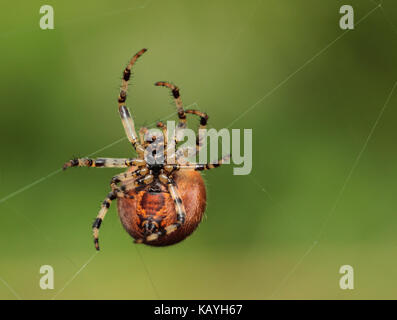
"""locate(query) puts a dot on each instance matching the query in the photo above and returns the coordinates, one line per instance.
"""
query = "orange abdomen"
(159, 206)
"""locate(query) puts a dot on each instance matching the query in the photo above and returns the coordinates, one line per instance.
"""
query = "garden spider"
(158, 203)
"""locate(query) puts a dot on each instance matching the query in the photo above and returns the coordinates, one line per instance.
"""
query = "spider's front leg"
(125, 114)
(203, 125)
(182, 112)
(142, 134)
(178, 101)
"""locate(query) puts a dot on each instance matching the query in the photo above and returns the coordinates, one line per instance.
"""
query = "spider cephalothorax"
(158, 203)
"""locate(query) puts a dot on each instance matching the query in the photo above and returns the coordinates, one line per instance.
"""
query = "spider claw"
(96, 244)
(66, 165)
(71, 163)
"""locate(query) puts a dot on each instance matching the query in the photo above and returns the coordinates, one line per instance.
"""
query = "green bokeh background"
(281, 232)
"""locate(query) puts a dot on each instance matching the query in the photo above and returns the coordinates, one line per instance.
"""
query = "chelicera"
(158, 203)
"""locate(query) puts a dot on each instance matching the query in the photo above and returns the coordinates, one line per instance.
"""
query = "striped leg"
(101, 215)
(184, 152)
(163, 128)
(197, 166)
(171, 156)
(178, 102)
(142, 132)
(126, 118)
(203, 124)
(115, 193)
(129, 128)
(179, 209)
(127, 176)
(187, 151)
(155, 152)
(209, 166)
(104, 163)
(148, 179)
(140, 181)
(123, 194)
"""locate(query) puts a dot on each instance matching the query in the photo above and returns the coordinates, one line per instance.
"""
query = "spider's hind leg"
(141, 177)
(101, 215)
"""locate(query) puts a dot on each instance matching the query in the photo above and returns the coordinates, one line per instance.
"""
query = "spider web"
(273, 90)
(55, 172)
(52, 174)
(249, 109)
(355, 163)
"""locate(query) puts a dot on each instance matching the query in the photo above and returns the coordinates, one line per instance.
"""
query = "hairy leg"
(104, 163)
(178, 102)
(125, 114)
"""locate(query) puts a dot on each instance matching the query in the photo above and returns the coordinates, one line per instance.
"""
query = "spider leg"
(179, 209)
(197, 167)
(185, 152)
(142, 133)
(155, 152)
(169, 148)
(208, 166)
(127, 176)
(126, 118)
(203, 125)
(115, 193)
(101, 215)
(182, 113)
(144, 180)
(164, 130)
(178, 102)
(104, 163)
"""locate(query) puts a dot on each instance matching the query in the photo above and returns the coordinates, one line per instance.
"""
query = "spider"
(159, 204)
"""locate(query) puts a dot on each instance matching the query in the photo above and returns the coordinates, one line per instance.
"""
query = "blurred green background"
(282, 232)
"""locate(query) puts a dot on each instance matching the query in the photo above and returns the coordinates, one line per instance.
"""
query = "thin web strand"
(11, 289)
(299, 69)
(338, 198)
(42, 179)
